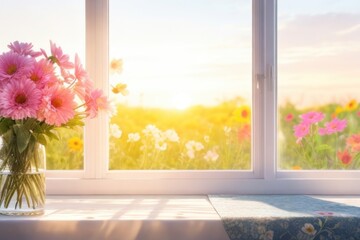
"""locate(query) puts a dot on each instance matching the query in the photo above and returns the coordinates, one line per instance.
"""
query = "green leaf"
(8, 136)
(23, 136)
(40, 138)
(74, 122)
(53, 135)
(320, 223)
(323, 147)
(5, 125)
(30, 123)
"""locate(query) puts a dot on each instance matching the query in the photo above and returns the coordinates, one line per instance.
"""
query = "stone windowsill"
(119, 217)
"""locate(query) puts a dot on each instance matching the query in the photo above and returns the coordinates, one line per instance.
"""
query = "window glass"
(180, 74)
(42, 21)
(318, 84)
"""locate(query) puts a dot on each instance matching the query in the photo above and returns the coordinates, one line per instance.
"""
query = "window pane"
(318, 79)
(38, 22)
(187, 67)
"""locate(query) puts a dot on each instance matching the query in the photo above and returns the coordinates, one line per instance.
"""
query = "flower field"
(197, 138)
(219, 137)
(324, 137)
(200, 137)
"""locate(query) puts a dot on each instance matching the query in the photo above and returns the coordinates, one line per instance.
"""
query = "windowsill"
(119, 217)
(190, 217)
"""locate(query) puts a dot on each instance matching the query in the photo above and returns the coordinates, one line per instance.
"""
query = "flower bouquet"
(39, 93)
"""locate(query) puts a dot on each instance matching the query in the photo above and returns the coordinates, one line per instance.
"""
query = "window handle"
(259, 80)
(269, 77)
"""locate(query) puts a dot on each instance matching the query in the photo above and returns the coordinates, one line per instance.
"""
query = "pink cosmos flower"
(96, 101)
(289, 117)
(312, 117)
(301, 130)
(354, 142)
(322, 131)
(14, 66)
(24, 49)
(58, 57)
(58, 106)
(335, 126)
(19, 99)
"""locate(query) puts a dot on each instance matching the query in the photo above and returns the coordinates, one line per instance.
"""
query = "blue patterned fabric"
(289, 217)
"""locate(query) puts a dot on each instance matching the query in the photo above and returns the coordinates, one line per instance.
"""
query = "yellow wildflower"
(75, 144)
(116, 66)
(120, 88)
(243, 114)
(352, 105)
(339, 110)
(296, 167)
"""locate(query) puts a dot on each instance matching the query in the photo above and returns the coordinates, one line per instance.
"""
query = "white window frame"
(263, 178)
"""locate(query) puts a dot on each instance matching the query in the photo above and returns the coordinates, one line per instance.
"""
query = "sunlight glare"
(181, 101)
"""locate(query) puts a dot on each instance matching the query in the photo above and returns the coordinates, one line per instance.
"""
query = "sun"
(181, 101)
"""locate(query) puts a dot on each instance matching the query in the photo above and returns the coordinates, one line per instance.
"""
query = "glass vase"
(22, 177)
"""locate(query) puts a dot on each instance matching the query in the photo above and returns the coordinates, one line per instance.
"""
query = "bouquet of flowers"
(39, 93)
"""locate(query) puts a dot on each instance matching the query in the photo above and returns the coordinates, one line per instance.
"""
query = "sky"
(319, 51)
(178, 53)
(39, 21)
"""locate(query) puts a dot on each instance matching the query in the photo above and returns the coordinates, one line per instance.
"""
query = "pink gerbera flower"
(96, 101)
(14, 66)
(42, 73)
(58, 106)
(312, 117)
(301, 130)
(335, 126)
(80, 72)
(24, 49)
(19, 99)
(83, 84)
(57, 56)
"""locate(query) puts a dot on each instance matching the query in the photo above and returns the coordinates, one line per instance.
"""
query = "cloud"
(316, 30)
(318, 54)
(320, 41)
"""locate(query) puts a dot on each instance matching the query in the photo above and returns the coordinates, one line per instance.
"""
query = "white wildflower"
(190, 154)
(194, 146)
(171, 135)
(151, 130)
(133, 137)
(115, 131)
(211, 155)
(199, 146)
(161, 146)
(227, 130)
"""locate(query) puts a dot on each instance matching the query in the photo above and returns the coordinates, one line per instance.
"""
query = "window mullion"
(270, 92)
(96, 131)
(258, 87)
